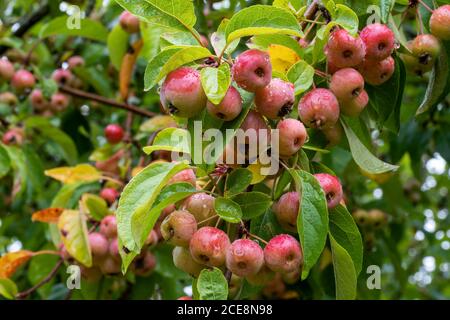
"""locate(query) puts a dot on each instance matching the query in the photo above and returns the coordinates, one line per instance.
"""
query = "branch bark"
(310, 13)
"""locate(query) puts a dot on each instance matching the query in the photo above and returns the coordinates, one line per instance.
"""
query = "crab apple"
(354, 107)
(413, 65)
(108, 226)
(440, 22)
(14, 136)
(178, 228)
(244, 257)
(23, 80)
(379, 41)
(99, 244)
(344, 50)
(75, 62)
(255, 121)
(283, 254)
(113, 249)
(62, 76)
(109, 266)
(111, 165)
(291, 277)
(361, 217)
(6, 69)
(59, 101)
(182, 259)
(427, 48)
(319, 109)
(129, 22)
(185, 298)
(144, 266)
(114, 133)
(275, 100)
(333, 135)
(209, 246)
(275, 289)
(9, 99)
(152, 239)
(377, 73)
(38, 101)
(332, 188)
(377, 218)
(92, 274)
(186, 175)
(252, 70)
(263, 277)
(201, 206)
(346, 84)
(182, 93)
(229, 108)
(109, 194)
(292, 136)
(286, 210)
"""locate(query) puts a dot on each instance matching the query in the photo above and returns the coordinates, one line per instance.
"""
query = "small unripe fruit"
(427, 48)
(9, 99)
(144, 266)
(129, 22)
(201, 206)
(252, 70)
(209, 246)
(38, 100)
(187, 175)
(440, 22)
(377, 73)
(182, 259)
(361, 217)
(413, 65)
(109, 266)
(283, 254)
(14, 136)
(109, 194)
(182, 93)
(108, 226)
(99, 245)
(319, 109)
(333, 135)
(286, 210)
(23, 80)
(379, 41)
(332, 188)
(263, 277)
(377, 218)
(113, 249)
(293, 136)
(344, 50)
(244, 257)
(114, 133)
(346, 84)
(354, 107)
(62, 76)
(229, 108)
(59, 102)
(178, 228)
(75, 62)
(276, 100)
(6, 69)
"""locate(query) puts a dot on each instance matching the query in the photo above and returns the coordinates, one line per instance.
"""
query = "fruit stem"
(207, 219)
(419, 21)
(257, 238)
(426, 6)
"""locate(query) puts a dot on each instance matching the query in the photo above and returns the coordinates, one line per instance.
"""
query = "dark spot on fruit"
(220, 115)
(203, 258)
(330, 196)
(285, 109)
(242, 265)
(290, 257)
(172, 108)
(296, 141)
(381, 46)
(347, 54)
(356, 92)
(425, 59)
(260, 72)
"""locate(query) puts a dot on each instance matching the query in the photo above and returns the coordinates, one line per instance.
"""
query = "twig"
(426, 6)
(310, 13)
(106, 101)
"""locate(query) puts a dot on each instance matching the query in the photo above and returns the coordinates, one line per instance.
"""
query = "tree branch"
(106, 101)
(310, 13)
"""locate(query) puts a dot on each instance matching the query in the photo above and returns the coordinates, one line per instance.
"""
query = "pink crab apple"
(209, 246)
(99, 244)
(343, 50)
(144, 266)
(255, 121)
(292, 137)
(178, 228)
(182, 259)
(244, 257)
(110, 195)
(182, 93)
(129, 22)
(114, 133)
(59, 101)
(426, 48)
(378, 72)
(201, 206)
(229, 108)
(108, 226)
(75, 62)
(440, 22)
(283, 254)
(62, 76)
(319, 109)
(113, 249)
(152, 239)
(23, 80)
(333, 135)
(109, 266)
(354, 107)
(6, 69)
(379, 41)
(346, 84)
(286, 210)
(38, 101)
(9, 99)
(186, 175)
(331, 187)
(275, 100)
(14, 136)
(252, 70)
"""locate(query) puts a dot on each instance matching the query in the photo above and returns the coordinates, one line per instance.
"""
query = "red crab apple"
(319, 109)
(75, 62)
(286, 210)
(23, 80)
(187, 175)
(114, 133)
(244, 257)
(62, 76)
(354, 107)
(283, 254)
(426, 48)
(59, 101)
(332, 188)
(9, 99)
(182, 259)
(38, 100)
(99, 244)
(129, 22)
(108, 226)
(292, 136)
(377, 73)
(229, 108)
(178, 228)
(144, 265)
(275, 100)
(201, 206)
(209, 246)
(252, 70)
(440, 22)
(379, 41)
(346, 84)
(113, 249)
(110, 266)
(14, 136)
(109, 194)
(6, 69)
(344, 50)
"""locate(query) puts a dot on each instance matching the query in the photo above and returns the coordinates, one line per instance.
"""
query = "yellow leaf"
(79, 173)
(10, 262)
(282, 58)
(157, 123)
(50, 215)
(255, 169)
(378, 178)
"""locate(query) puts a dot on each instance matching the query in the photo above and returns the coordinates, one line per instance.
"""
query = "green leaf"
(8, 288)
(362, 156)
(5, 163)
(253, 204)
(155, 65)
(344, 272)
(237, 181)
(344, 230)
(95, 206)
(215, 82)
(212, 285)
(117, 45)
(170, 139)
(89, 29)
(386, 7)
(157, 123)
(228, 210)
(218, 40)
(38, 268)
(152, 38)
(301, 75)
(18, 164)
(266, 226)
(262, 19)
(74, 234)
(100, 81)
(312, 220)
(282, 183)
(263, 42)
(343, 16)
